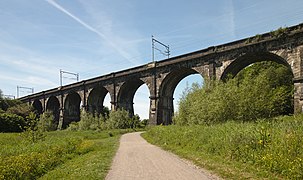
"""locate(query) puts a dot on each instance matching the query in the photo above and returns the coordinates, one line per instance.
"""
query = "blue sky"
(96, 37)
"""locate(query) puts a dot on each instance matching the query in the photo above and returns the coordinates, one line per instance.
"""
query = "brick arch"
(126, 93)
(71, 111)
(38, 106)
(53, 106)
(95, 99)
(249, 58)
(166, 91)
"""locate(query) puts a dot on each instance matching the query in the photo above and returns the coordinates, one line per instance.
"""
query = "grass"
(267, 149)
(62, 155)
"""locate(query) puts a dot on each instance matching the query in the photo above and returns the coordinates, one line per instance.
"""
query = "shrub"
(5, 103)
(21, 109)
(279, 32)
(134, 122)
(119, 119)
(143, 123)
(11, 123)
(73, 126)
(89, 121)
(46, 122)
(33, 132)
(263, 90)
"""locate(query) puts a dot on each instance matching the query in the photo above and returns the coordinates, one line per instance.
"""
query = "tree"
(262, 90)
(11, 123)
(23, 110)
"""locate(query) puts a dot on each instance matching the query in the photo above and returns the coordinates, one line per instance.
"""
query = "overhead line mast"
(20, 87)
(70, 73)
(165, 53)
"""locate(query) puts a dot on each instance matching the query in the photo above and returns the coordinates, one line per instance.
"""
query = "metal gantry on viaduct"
(284, 46)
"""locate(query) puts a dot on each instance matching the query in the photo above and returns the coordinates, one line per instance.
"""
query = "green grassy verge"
(62, 155)
(269, 149)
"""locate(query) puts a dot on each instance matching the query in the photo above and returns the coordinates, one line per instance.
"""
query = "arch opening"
(142, 102)
(125, 98)
(184, 85)
(95, 101)
(274, 70)
(38, 107)
(107, 102)
(250, 58)
(166, 92)
(53, 106)
(71, 109)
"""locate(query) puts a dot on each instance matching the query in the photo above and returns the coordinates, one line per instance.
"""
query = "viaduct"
(284, 46)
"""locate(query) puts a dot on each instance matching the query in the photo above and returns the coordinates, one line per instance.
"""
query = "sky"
(97, 37)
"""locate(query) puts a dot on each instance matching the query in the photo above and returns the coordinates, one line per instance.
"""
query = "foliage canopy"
(262, 90)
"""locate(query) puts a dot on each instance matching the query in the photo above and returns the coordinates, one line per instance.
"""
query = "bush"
(88, 121)
(119, 119)
(143, 123)
(5, 103)
(11, 123)
(91, 122)
(46, 122)
(134, 122)
(263, 90)
(21, 109)
(33, 132)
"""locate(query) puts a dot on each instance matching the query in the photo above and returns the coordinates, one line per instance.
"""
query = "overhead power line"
(154, 47)
(28, 90)
(76, 76)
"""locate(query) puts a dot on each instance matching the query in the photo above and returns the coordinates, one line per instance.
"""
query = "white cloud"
(231, 10)
(40, 81)
(119, 29)
(29, 80)
(109, 40)
(25, 60)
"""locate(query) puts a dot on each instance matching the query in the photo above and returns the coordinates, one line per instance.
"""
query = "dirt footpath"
(137, 159)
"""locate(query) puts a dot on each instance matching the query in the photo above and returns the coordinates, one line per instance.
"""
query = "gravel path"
(137, 159)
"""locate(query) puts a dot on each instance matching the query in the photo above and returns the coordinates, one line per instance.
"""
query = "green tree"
(11, 123)
(6, 103)
(105, 112)
(119, 119)
(262, 90)
(23, 109)
(33, 132)
(46, 122)
(134, 122)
